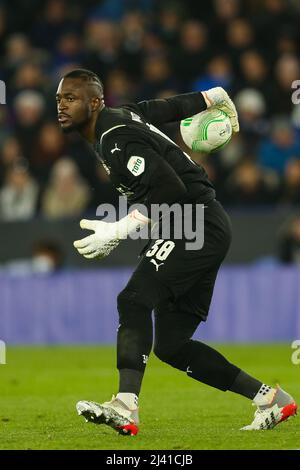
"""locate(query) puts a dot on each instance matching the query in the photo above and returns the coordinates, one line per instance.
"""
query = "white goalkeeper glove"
(107, 235)
(219, 98)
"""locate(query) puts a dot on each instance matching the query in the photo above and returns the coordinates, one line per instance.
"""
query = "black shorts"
(169, 273)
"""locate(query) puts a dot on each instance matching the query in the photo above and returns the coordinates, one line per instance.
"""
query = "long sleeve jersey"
(143, 163)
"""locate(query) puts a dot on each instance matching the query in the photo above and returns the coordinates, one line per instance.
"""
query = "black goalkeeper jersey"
(143, 163)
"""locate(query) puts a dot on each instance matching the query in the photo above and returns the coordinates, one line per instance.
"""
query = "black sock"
(246, 385)
(130, 381)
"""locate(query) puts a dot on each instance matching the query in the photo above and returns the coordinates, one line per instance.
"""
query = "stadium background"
(58, 313)
(48, 182)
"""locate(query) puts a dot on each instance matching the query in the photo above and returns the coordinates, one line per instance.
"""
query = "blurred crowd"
(144, 49)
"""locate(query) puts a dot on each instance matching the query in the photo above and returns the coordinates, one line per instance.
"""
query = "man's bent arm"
(172, 109)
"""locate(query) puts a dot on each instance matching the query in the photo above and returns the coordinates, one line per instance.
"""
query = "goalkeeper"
(177, 283)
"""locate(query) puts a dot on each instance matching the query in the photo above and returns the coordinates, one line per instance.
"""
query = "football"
(207, 131)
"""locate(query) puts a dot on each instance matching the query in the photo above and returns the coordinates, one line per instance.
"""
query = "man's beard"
(68, 130)
(74, 127)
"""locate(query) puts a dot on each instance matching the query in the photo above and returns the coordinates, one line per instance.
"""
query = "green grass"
(40, 386)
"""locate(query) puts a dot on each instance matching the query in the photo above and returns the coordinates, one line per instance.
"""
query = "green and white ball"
(206, 131)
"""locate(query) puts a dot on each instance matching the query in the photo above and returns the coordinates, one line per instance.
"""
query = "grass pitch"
(39, 388)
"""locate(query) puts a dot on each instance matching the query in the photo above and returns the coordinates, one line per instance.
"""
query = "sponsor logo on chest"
(136, 165)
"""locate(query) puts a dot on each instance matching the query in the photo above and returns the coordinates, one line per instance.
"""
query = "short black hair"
(87, 76)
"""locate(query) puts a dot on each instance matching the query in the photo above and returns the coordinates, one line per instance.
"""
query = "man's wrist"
(134, 221)
(208, 102)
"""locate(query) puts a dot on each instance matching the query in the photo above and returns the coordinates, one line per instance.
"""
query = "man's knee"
(166, 350)
(131, 304)
(126, 299)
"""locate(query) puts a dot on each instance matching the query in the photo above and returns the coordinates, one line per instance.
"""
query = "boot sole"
(109, 417)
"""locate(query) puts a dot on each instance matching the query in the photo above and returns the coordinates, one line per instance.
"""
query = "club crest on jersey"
(136, 165)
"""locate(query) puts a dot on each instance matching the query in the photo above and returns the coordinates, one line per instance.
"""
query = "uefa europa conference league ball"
(207, 131)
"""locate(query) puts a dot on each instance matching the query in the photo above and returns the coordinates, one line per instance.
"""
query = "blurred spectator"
(231, 155)
(248, 185)
(67, 194)
(295, 119)
(54, 21)
(287, 43)
(102, 47)
(171, 14)
(3, 27)
(29, 76)
(5, 125)
(224, 12)
(287, 70)
(217, 73)
(254, 74)
(289, 241)
(153, 46)
(157, 77)
(47, 257)
(282, 146)
(68, 52)
(133, 30)
(119, 89)
(18, 50)
(29, 107)
(240, 38)
(50, 146)
(291, 183)
(192, 55)
(277, 16)
(251, 107)
(133, 34)
(114, 10)
(18, 197)
(10, 155)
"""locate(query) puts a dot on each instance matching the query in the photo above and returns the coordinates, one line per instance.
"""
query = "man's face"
(74, 104)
